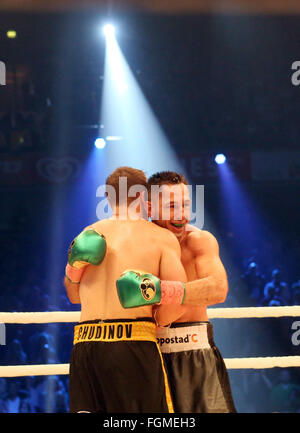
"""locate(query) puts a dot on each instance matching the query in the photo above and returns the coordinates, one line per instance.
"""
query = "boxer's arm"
(166, 314)
(172, 269)
(211, 287)
(72, 291)
(87, 249)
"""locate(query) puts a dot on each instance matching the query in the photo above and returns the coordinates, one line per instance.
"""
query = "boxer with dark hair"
(197, 373)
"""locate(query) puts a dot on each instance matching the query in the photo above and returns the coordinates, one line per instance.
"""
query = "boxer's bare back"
(138, 245)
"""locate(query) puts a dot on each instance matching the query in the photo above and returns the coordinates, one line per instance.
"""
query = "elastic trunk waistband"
(111, 331)
(192, 336)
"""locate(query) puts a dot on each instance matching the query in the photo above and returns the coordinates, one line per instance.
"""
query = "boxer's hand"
(89, 247)
(137, 288)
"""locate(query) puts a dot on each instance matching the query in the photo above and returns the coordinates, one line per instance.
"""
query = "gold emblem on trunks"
(148, 289)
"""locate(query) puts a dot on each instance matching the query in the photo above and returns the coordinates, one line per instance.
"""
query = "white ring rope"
(45, 317)
(251, 312)
(231, 363)
(213, 313)
(34, 370)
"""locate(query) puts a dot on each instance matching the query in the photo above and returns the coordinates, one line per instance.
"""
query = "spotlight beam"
(126, 113)
(109, 31)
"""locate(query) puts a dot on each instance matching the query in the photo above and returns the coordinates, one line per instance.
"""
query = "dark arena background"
(178, 84)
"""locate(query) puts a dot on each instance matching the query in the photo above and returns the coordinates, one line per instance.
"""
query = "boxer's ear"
(143, 196)
(149, 208)
(144, 203)
(110, 195)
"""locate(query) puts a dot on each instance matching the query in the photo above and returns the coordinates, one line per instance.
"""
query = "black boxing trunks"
(116, 366)
(198, 378)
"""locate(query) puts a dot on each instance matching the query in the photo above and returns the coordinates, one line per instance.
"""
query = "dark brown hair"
(165, 178)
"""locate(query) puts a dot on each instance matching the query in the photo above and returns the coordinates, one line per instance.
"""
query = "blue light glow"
(100, 143)
(130, 121)
(220, 158)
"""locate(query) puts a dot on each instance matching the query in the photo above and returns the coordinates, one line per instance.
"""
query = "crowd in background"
(54, 96)
(266, 290)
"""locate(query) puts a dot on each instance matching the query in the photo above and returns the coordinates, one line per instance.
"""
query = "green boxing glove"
(138, 288)
(89, 247)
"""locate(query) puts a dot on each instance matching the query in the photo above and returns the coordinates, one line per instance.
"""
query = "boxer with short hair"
(197, 373)
(116, 364)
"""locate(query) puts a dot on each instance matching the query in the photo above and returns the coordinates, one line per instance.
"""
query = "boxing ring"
(213, 313)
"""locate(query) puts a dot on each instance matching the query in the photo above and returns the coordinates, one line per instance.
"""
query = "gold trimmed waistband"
(115, 331)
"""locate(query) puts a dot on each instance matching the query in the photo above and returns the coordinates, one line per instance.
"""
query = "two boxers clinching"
(144, 342)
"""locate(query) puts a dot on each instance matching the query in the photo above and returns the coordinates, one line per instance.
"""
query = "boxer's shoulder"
(101, 227)
(199, 240)
(106, 223)
(167, 236)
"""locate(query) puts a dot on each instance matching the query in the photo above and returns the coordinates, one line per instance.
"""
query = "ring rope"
(252, 312)
(44, 317)
(231, 363)
(213, 313)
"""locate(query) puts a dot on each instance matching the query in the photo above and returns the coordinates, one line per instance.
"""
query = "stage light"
(220, 158)
(109, 31)
(132, 132)
(11, 34)
(100, 143)
(114, 138)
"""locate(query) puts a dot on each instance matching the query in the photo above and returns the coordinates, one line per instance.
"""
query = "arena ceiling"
(157, 6)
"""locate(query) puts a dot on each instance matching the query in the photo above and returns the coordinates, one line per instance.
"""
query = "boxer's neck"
(128, 213)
